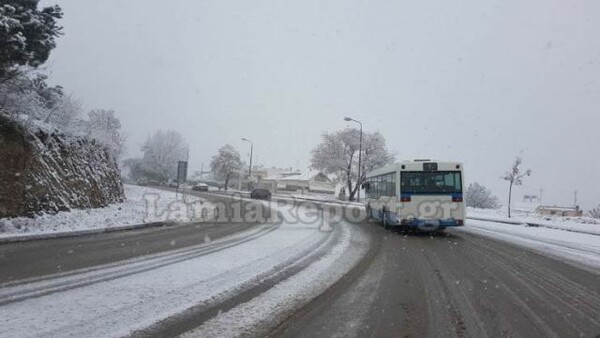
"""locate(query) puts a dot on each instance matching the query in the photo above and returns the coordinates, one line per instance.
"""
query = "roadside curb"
(36, 237)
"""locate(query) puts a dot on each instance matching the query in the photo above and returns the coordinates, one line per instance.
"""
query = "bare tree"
(337, 154)
(162, 150)
(515, 177)
(478, 196)
(226, 164)
(595, 213)
(105, 127)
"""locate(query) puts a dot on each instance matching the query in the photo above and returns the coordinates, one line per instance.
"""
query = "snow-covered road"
(572, 240)
(137, 296)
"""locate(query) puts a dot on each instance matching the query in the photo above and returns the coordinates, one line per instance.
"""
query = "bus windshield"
(425, 182)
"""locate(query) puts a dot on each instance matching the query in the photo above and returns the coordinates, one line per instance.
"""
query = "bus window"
(382, 185)
(421, 182)
(390, 187)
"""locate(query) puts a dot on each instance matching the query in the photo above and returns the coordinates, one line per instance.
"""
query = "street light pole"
(251, 151)
(348, 119)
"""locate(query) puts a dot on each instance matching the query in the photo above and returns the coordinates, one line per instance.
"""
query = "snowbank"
(525, 217)
(572, 246)
(143, 205)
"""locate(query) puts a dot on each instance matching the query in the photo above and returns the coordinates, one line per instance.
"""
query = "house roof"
(305, 176)
(558, 208)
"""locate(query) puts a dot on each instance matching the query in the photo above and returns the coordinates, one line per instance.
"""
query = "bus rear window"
(422, 182)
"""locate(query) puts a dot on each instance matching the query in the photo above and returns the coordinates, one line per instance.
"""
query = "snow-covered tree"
(595, 213)
(17, 96)
(27, 34)
(105, 127)
(515, 177)
(337, 154)
(162, 150)
(478, 196)
(67, 115)
(50, 96)
(226, 164)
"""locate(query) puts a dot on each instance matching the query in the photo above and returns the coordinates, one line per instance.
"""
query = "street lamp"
(251, 150)
(348, 119)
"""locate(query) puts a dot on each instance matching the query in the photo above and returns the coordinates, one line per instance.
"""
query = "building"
(310, 182)
(559, 211)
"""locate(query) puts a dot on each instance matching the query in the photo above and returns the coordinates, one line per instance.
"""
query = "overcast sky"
(475, 81)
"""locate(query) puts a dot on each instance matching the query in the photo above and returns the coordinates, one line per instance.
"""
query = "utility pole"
(251, 151)
(250, 184)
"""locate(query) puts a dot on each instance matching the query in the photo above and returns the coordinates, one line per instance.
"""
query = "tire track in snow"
(80, 278)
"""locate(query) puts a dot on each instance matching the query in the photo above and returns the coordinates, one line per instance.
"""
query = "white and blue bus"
(421, 194)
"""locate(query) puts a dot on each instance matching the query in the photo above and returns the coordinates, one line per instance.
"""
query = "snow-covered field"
(142, 205)
(122, 305)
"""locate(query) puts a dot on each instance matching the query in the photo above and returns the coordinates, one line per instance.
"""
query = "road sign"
(182, 167)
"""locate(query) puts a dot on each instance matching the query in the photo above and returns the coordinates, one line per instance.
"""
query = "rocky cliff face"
(44, 171)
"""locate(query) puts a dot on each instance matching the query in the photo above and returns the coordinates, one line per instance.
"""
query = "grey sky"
(477, 81)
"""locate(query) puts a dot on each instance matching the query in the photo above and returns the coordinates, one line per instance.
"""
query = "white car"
(200, 187)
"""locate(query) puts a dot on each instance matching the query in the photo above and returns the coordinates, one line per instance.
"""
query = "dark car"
(200, 187)
(260, 194)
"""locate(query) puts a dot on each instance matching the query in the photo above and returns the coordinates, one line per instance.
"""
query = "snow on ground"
(524, 216)
(117, 307)
(266, 311)
(573, 246)
(576, 239)
(142, 205)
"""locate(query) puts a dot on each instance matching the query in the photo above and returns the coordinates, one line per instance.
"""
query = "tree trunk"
(355, 190)
(509, 197)
(350, 191)
(226, 182)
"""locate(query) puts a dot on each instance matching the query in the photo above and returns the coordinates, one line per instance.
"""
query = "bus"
(420, 194)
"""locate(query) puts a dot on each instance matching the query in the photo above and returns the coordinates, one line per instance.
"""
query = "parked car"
(200, 187)
(214, 184)
(173, 184)
(260, 194)
(154, 183)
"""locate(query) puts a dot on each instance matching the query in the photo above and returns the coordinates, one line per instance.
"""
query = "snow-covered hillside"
(134, 210)
(43, 170)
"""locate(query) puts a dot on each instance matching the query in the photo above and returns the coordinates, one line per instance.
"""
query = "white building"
(310, 182)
